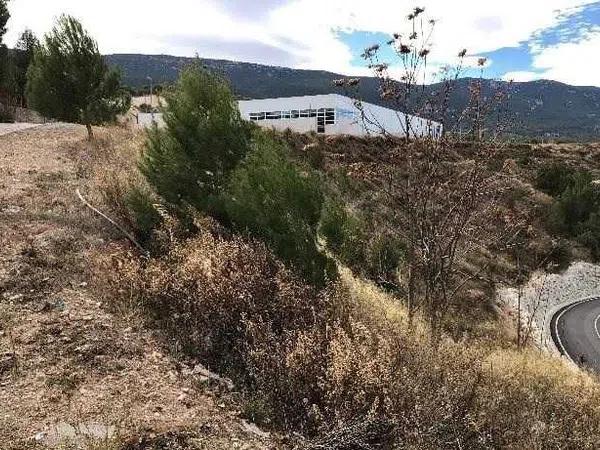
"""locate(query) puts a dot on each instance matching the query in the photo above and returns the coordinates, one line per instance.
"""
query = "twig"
(115, 224)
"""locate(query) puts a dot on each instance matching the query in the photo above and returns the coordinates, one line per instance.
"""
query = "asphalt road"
(576, 332)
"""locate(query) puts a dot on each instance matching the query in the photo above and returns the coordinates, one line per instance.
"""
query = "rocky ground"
(72, 373)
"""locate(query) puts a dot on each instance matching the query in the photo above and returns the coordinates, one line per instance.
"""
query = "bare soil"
(66, 362)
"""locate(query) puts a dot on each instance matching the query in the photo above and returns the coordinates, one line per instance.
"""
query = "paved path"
(576, 332)
(7, 128)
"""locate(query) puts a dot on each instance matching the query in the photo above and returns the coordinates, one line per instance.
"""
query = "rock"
(64, 433)
(251, 428)
(7, 362)
(39, 437)
(205, 375)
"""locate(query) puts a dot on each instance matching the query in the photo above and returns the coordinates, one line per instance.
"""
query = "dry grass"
(343, 366)
(63, 357)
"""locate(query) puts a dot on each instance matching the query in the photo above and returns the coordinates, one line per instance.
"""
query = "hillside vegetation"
(209, 284)
(537, 107)
(340, 362)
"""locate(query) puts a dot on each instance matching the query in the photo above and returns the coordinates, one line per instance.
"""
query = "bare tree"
(440, 195)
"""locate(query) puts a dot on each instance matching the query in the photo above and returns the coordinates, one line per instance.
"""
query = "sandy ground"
(66, 363)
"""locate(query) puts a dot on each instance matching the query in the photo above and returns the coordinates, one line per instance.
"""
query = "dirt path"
(65, 362)
(7, 128)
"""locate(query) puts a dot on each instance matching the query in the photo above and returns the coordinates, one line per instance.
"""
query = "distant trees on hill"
(69, 80)
(16, 64)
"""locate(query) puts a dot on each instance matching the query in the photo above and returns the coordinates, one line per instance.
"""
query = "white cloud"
(521, 76)
(574, 63)
(300, 33)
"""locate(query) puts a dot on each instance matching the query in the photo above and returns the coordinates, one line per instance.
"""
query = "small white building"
(334, 114)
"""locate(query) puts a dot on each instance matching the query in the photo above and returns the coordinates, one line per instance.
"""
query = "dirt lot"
(69, 369)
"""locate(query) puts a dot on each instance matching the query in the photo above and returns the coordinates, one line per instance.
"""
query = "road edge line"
(558, 312)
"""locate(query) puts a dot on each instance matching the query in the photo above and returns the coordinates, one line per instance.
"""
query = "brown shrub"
(209, 292)
(341, 366)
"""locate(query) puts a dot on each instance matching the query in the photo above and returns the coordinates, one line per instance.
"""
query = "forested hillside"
(538, 108)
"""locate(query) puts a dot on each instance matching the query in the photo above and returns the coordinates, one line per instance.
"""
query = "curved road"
(576, 333)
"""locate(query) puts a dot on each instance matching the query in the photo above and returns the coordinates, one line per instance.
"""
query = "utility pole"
(151, 95)
(151, 86)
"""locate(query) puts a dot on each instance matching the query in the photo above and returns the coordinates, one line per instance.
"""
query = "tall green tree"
(24, 53)
(4, 16)
(189, 160)
(17, 64)
(69, 80)
(4, 59)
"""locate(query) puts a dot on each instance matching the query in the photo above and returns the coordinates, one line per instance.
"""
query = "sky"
(523, 40)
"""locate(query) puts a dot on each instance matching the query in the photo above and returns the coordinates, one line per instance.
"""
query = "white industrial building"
(334, 114)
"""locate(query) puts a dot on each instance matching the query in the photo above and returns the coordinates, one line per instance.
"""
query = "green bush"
(385, 255)
(189, 161)
(376, 255)
(589, 234)
(145, 216)
(576, 204)
(6, 116)
(554, 179)
(576, 212)
(343, 233)
(270, 198)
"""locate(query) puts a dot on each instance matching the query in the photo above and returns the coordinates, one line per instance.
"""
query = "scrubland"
(341, 367)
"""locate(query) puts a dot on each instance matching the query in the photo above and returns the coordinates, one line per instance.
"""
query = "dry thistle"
(370, 51)
(404, 49)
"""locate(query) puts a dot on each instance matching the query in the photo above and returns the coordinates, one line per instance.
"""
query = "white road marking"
(596, 326)
(564, 350)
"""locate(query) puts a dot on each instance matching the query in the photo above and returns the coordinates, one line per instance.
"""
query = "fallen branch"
(115, 224)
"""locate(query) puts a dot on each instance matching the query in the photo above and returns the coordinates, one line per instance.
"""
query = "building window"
(274, 115)
(320, 124)
(330, 116)
(325, 116)
(257, 116)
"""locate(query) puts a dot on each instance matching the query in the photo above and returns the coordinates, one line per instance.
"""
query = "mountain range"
(536, 109)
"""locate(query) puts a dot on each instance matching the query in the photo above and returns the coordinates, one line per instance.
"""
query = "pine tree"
(23, 56)
(4, 16)
(204, 138)
(4, 59)
(69, 80)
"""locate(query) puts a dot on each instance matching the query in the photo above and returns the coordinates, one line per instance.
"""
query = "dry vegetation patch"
(343, 366)
(65, 361)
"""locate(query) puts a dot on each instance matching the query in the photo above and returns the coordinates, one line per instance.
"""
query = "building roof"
(303, 101)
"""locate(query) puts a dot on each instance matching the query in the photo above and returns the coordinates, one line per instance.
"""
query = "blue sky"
(518, 62)
(523, 40)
